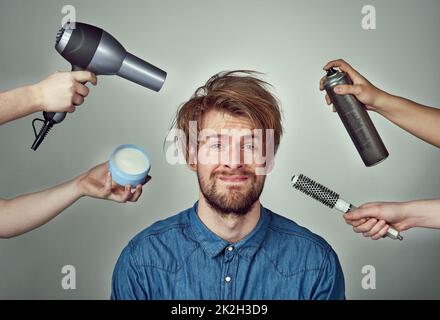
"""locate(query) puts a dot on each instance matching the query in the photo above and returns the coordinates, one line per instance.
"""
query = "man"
(60, 92)
(228, 246)
(373, 219)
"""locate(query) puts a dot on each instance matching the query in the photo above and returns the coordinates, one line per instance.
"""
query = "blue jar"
(129, 164)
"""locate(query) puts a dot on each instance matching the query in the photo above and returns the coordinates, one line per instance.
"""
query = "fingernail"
(338, 89)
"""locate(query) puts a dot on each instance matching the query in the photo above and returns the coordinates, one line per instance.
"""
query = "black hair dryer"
(88, 47)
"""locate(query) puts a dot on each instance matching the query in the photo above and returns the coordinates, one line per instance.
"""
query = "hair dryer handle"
(76, 68)
(59, 116)
(50, 118)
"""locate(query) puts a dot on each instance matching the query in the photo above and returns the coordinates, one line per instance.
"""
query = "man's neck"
(231, 228)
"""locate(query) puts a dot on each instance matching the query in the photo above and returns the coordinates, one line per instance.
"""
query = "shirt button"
(230, 248)
(228, 279)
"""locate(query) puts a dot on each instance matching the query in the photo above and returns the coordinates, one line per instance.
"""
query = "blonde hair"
(239, 93)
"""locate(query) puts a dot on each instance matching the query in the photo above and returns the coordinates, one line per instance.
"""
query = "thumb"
(84, 76)
(354, 89)
(361, 213)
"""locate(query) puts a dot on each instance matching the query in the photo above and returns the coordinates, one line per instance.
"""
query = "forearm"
(419, 120)
(30, 211)
(18, 103)
(422, 213)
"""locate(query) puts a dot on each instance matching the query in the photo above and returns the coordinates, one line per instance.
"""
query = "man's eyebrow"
(251, 136)
(226, 136)
(218, 136)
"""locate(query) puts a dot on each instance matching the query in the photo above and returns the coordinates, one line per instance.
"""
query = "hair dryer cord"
(43, 132)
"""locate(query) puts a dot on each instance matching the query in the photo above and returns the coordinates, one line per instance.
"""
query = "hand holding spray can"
(356, 120)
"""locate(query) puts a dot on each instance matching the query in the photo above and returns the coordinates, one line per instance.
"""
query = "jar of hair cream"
(129, 164)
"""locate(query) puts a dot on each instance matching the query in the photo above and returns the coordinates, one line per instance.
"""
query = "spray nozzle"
(331, 72)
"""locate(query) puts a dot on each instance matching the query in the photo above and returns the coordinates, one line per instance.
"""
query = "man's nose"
(234, 158)
(233, 166)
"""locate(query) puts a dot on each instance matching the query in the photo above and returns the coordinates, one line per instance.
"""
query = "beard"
(236, 200)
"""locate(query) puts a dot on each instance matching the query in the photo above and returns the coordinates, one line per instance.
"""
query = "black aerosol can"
(356, 120)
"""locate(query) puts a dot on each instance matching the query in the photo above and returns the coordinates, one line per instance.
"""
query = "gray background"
(289, 41)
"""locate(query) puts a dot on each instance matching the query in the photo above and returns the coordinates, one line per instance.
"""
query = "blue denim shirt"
(180, 258)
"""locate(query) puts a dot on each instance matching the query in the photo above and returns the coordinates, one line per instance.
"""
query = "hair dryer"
(90, 48)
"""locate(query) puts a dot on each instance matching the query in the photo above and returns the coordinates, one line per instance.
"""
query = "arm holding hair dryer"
(59, 92)
(90, 48)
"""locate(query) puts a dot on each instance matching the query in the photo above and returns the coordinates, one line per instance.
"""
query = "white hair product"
(129, 164)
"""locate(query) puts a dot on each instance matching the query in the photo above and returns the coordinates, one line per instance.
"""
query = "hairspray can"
(356, 120)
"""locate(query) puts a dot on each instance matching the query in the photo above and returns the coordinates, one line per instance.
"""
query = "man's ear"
(270, 163)
(268, 167)
(192, 167)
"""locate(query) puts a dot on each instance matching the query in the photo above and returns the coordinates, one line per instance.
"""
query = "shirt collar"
(214, 245)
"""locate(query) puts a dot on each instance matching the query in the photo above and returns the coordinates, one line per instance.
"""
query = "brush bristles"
(315, 190)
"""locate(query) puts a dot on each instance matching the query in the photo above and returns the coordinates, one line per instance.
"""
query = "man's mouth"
(234, 178)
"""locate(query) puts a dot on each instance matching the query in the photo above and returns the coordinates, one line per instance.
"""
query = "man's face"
(228, 156)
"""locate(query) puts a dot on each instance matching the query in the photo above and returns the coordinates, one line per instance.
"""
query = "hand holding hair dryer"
(91, 48)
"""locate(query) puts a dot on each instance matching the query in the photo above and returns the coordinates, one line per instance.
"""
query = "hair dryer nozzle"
(142, 72)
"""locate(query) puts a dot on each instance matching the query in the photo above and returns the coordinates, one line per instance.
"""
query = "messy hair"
(239, 93)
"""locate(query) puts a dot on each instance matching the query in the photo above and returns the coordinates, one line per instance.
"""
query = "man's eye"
(248, 146)
(215, 146)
